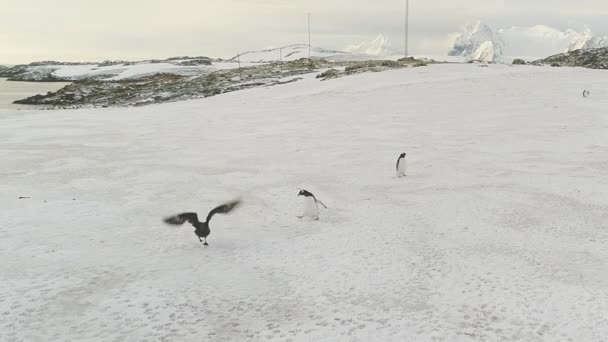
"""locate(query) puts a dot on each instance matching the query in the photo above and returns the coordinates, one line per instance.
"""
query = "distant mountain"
(586, 40)
(586, 58)
(297, 51)
(479, 41)
(379, 46)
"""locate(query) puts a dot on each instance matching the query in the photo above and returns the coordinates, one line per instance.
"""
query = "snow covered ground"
(499, 231)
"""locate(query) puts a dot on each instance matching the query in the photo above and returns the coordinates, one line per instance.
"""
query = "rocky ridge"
(586, 58)
(165, 87)
(46, 71)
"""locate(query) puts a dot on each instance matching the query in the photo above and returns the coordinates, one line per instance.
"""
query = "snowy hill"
(479, 41)
(298, 51)
(57, 71)
(498, 233)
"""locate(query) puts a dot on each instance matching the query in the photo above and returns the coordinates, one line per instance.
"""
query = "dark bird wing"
(223, 209)
(182, 218)
(397, 165)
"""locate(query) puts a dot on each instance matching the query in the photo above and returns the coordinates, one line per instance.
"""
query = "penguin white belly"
(310, 208)
(401, 167)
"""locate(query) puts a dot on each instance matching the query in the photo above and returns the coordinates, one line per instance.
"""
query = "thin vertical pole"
(308, 35)
(407, 19)
(238, 58)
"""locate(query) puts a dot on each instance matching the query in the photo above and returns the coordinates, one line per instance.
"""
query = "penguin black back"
(306, 194)
(309, 194)
(401, 156)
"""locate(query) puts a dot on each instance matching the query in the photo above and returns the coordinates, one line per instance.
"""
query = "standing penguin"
(401, 165)
(311, 205)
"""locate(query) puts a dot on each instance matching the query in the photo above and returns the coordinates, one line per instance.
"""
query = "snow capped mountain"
(486, 51)
(297, 51)
(479, 41)
(375, 49)
(586, 40)
(379, 46)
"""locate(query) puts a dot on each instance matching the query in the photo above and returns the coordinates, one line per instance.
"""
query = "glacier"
(480, 41)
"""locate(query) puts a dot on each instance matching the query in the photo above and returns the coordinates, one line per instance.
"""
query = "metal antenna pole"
(308, 35)
(407, 19)
(238, 58)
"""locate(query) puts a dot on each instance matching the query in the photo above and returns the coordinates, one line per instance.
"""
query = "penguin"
(201, 229)
(400, 167)
(586, 93)
(311, 205)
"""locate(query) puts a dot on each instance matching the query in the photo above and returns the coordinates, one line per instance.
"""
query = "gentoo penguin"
(311, 205)
(401, 165)
(202, 228)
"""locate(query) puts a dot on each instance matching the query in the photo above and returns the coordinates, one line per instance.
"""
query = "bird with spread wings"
(201, 229)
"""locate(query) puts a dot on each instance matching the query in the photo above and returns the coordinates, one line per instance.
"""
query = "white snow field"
(498, 233)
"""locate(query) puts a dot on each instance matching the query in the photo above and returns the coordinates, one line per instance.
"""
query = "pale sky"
(95, 30)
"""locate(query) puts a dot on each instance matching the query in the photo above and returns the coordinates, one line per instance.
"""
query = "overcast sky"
(91, 30)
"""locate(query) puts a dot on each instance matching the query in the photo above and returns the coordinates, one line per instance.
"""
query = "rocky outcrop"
(586, 58)
(51, 71)
(353, 68)
(190, 61)
(41, 74)
(170, 87)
